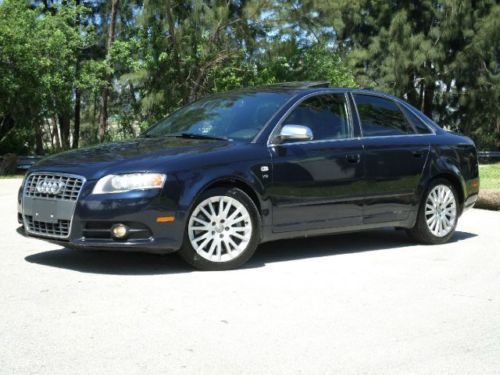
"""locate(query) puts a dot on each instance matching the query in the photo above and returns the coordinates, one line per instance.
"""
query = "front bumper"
(153, 246)
(93, 216)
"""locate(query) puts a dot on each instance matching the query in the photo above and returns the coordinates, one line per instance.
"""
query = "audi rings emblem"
(50, 186)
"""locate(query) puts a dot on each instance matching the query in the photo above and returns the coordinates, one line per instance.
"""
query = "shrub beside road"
(489, 195)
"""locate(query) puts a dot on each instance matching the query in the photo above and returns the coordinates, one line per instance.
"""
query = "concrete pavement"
(365, 303)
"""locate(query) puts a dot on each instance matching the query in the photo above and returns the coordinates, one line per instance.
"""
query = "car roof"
(306, 87)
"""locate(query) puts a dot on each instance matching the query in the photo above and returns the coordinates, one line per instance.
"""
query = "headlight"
(119, 183)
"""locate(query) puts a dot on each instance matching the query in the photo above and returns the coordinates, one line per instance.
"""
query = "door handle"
(353, 158)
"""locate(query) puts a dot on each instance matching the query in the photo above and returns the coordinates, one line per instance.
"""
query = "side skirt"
(268, 235)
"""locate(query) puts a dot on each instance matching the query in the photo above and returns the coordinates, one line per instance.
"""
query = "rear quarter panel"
(454, 156)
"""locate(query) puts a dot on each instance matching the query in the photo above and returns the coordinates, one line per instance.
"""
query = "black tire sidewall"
(189, 254)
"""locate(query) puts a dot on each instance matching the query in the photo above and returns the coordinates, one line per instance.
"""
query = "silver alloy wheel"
(440, 210)
(220, 228)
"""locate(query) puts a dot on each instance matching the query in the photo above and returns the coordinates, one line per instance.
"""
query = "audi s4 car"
(230, 171)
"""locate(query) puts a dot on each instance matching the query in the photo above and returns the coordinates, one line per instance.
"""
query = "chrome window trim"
(397, 136)
(313, 142)
(26, 228)
(300, 101)
(351, 96)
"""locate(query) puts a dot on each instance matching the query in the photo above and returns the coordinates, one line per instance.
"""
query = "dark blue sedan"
(225, 173)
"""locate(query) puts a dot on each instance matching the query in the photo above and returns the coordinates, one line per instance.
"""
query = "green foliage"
(442, 56)
(37, 69)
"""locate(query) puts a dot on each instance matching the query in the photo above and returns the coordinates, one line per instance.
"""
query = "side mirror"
(294, 133)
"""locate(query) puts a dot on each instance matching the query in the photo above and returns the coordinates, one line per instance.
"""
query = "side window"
(380, 116)
(417, 124)
(326, 115)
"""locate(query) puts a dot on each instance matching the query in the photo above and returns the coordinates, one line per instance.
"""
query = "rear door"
(318, 184)
(395, 156)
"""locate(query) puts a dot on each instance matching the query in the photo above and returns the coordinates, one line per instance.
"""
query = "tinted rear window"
(380, 116)
(417, 124)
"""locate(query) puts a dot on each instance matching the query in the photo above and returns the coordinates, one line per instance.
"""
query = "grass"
(11, 176)
(490, 176)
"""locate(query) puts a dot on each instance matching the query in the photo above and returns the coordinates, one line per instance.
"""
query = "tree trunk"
(47, 125)
(64, 126)
(76, 130)
(78, 94)
(55, 130)
(7, 124)
(175, 47)
(430, 87)
(427, 104)
(38, 139)
(103, 122)
(411, 92)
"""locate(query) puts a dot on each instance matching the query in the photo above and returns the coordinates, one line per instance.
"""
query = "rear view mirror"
(294, 133)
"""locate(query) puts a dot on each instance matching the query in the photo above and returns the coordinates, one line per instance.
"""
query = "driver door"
(318, 183)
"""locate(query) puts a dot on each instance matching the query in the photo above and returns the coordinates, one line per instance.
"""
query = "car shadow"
(111, 262)
(129, 263)
(374, 240)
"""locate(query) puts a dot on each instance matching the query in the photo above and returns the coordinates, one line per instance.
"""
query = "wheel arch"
(230, 182)
(455, 181)
(226, 182)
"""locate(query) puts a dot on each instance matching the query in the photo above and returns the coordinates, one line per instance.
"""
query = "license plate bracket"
(45, 210)
(48, 210)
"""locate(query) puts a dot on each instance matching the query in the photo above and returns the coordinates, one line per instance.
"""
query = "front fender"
(246, 174)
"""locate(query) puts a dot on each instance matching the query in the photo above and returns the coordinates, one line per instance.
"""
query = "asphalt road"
(367, 303)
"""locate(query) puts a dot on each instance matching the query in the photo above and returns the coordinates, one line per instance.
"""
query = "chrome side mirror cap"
(294, 133)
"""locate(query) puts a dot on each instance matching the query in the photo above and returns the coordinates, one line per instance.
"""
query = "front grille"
(49, 203)
(59, 229)
(71, 186)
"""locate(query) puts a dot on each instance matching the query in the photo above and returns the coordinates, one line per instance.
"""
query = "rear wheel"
(438, 214)
(222, 230)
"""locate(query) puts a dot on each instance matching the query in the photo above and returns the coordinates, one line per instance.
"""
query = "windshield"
(235, 116)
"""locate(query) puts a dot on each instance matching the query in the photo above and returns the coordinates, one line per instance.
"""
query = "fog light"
(119, 231)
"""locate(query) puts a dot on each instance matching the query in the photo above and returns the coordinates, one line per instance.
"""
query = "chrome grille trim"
(41, 228)
(72, 186)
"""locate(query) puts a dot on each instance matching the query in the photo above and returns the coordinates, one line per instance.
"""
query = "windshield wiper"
(185, 135)
(201, 136)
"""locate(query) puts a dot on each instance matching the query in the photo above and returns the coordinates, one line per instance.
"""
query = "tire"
(438, 214)
(221, 237)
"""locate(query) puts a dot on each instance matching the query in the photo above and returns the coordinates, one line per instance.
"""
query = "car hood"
(138, 154)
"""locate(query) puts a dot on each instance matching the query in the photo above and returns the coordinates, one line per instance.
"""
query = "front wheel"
(223, 230)
(438, 214)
